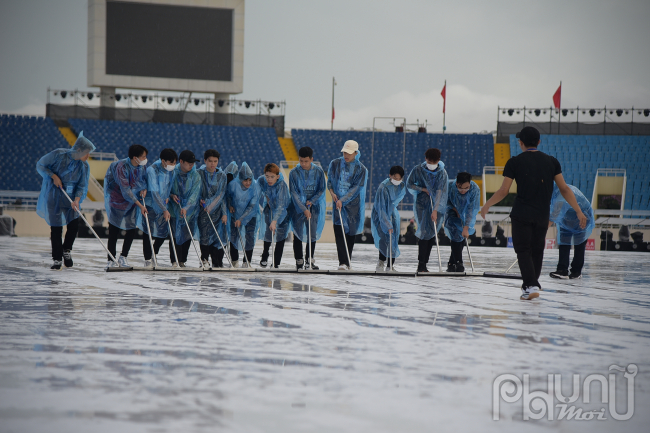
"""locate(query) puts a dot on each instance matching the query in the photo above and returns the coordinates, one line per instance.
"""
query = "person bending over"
(63, 170)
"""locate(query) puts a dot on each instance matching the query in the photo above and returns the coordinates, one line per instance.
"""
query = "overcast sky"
(390, 58)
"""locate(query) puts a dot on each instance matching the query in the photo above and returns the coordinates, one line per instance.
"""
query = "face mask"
(432, 167)
(170, 167)
(395, 182)
(143, 162)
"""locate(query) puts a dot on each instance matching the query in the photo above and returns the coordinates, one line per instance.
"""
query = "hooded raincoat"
(348, 181)
(435, 182)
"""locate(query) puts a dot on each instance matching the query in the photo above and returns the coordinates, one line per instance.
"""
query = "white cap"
(350, 146)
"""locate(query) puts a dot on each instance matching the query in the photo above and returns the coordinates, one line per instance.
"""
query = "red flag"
(444, 97)
(332, 113)
(557, 97)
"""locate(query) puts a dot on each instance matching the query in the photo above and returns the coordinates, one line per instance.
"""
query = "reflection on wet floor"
(174, 352)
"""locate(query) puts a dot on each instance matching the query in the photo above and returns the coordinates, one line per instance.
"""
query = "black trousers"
(70, 236)
(113, 234)
(456, 252)
(529, 241)
(339, 236)
(182, 250)
(424, 250)
(383, 258)
(234, 254)
(297, 249)
(217, 254)
(277, 254)
(578, 258)
(157, 243)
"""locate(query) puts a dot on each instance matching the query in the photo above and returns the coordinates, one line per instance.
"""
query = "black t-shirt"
(534, 172)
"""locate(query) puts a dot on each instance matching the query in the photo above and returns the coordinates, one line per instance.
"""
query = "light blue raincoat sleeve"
(385, 217)
(566, 219)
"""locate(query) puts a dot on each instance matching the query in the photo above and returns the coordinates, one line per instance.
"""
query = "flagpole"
(444, 110)
(333, 84)
(559, 113)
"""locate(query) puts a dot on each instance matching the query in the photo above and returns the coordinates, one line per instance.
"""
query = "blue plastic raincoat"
(276, 206)
(245, 202)
(213, 193)
(187, 187)
(308, 185)
(348, 181)
(436, 183)
(159, 183)
(233, 169)
(53, 206)
(566, 219)
(467, 205)
(385, 217)
(122, 186)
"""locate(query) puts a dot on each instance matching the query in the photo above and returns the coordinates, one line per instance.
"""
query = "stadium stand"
(582, 155)
(257, 146)
(460, 152)
(23, 140)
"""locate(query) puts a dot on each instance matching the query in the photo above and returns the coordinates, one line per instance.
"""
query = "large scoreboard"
(177, 45)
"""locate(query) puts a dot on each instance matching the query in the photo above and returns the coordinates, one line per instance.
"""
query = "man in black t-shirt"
(534, 172)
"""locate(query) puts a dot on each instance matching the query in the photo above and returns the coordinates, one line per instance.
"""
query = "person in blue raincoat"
(346, 180)
(569, 232)
(428, 184)
(184, 205)
(463, 204)
(385, 219)
(125, 184)
(277, 210)
(63, 170)
(159, 184)
(232, 171)
(307, 185)
(214, 213)
(243, 203)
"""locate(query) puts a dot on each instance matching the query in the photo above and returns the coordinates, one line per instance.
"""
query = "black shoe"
(264, 263)
(460, 267)
(422, 268)
(300, 264)
(450, 267)
(56, 266)
(573, 276)
(67, 258)
(311, 265)
(564, 275)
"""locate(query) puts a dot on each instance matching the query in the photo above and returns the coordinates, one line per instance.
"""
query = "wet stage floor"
(83, 350)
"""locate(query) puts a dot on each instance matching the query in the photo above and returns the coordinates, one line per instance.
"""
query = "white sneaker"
(123, 262)
(391, 270)
(148, 264)
(529, 293)
(343, 267)
(235, 264)
(245, 265)
(380, 266)
(174, 265)
(206, 264)
(110, 264)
